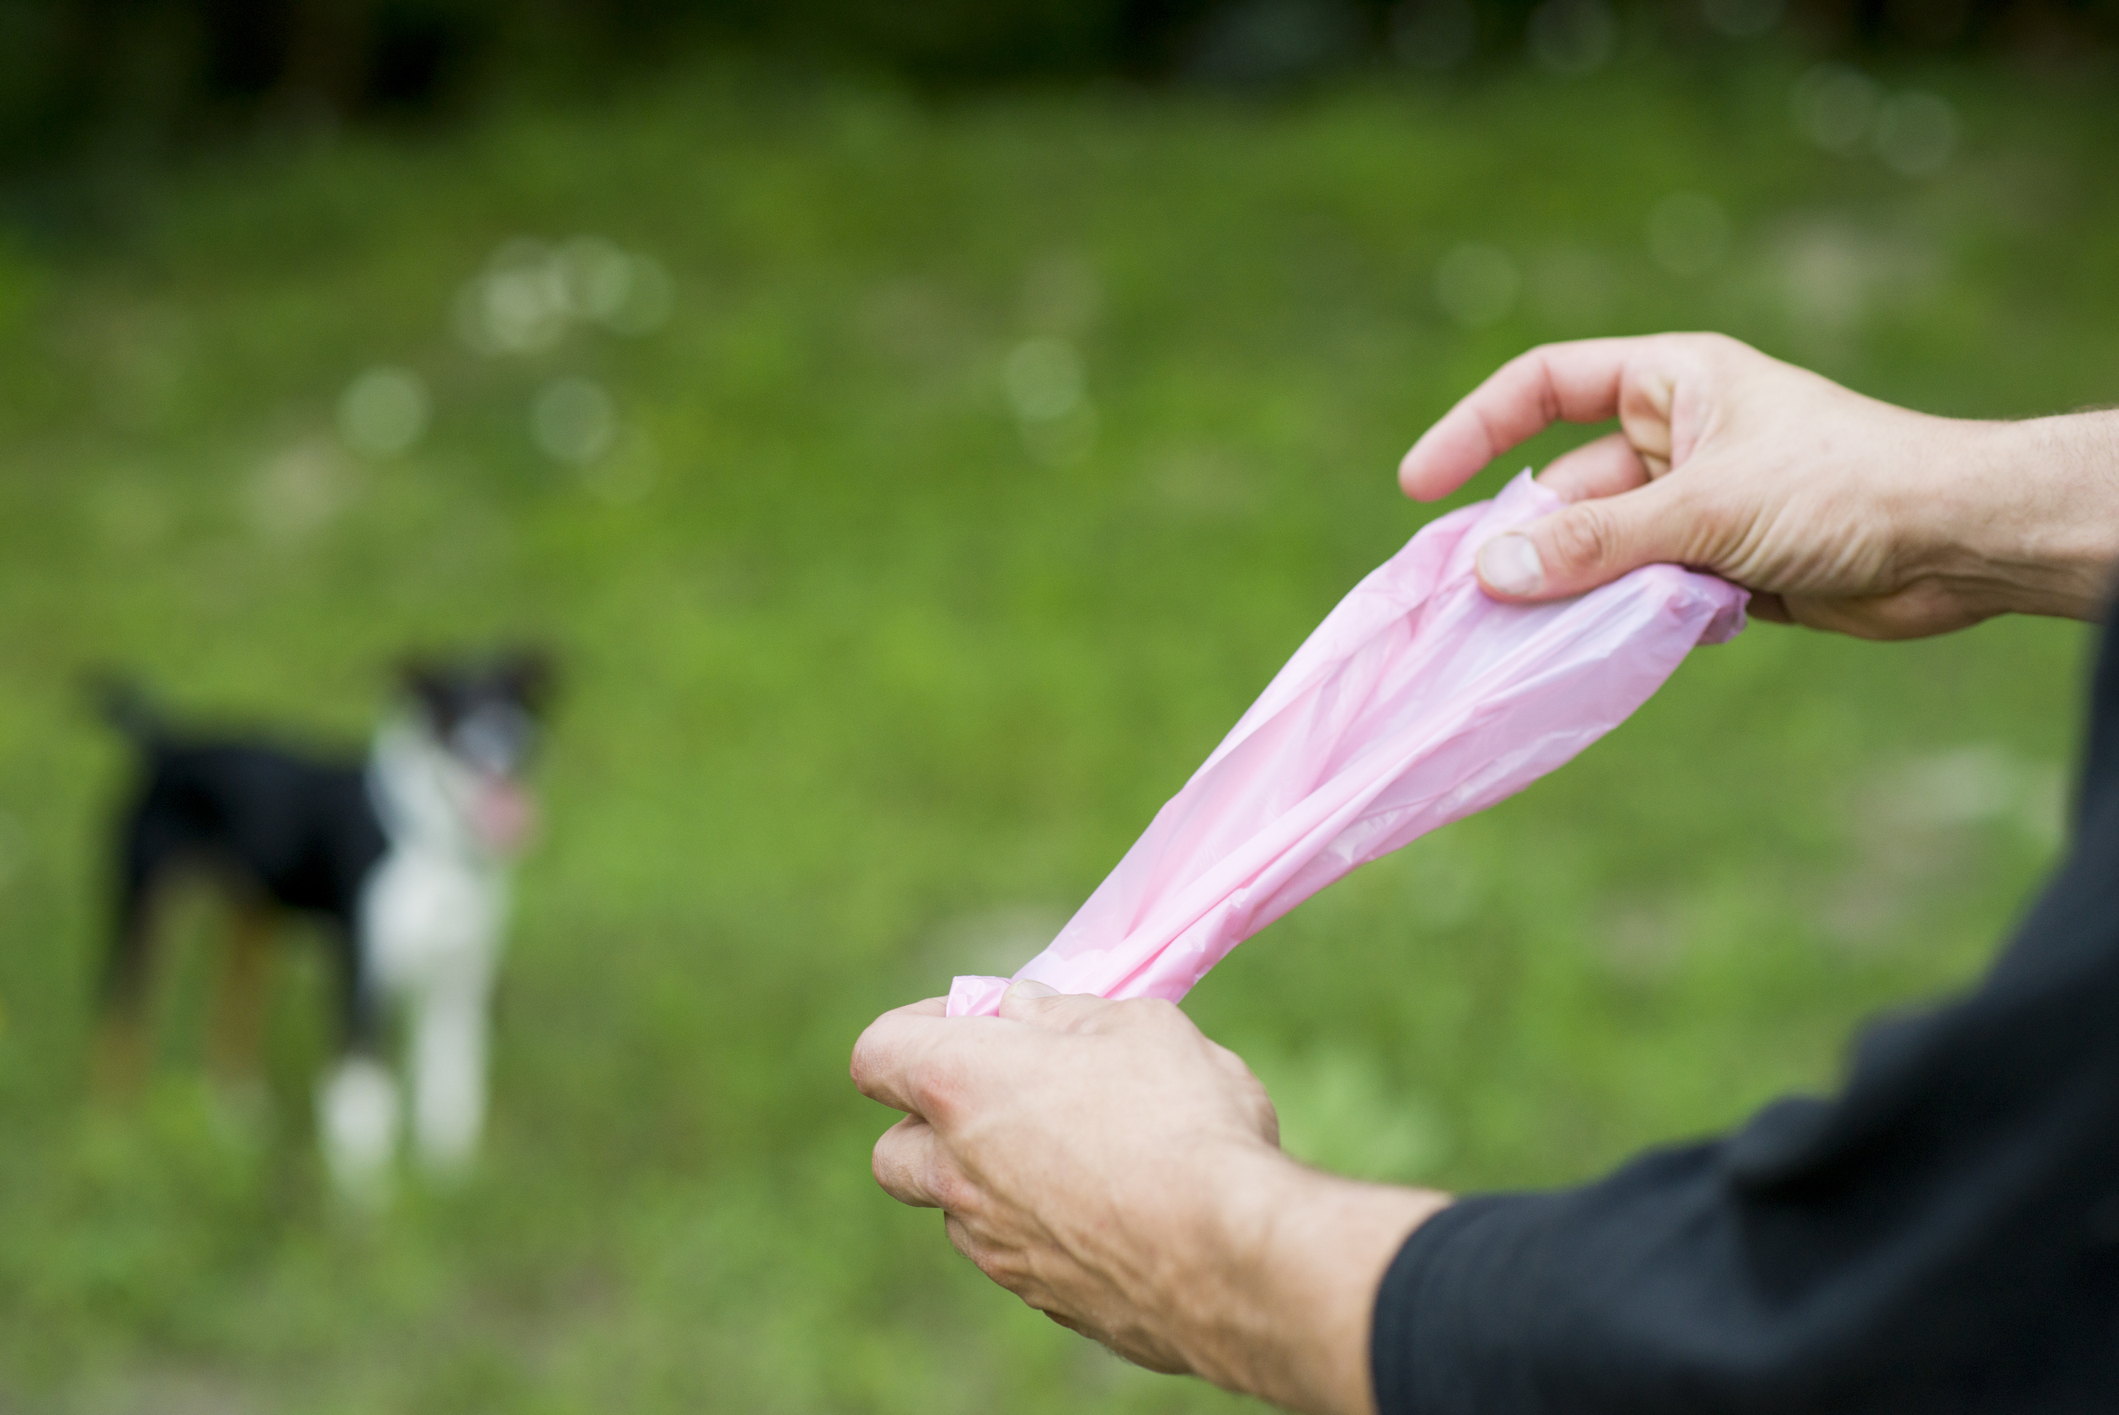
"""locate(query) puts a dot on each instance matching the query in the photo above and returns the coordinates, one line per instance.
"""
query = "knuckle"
(1264, 1114)
(1712, 355)
(996, 1261)
(999, 1266)
(1693, 518)
(888, 1163)
(963, 1239)
(1237, 1070)
(860, 1065)
(1583, 537)
(1156, 1018)
(1142, 1012)
(1254, 1091)
(938, 1089)
(1128, 1013)
(1689, 499)
(1537, 361)
(953, 1193)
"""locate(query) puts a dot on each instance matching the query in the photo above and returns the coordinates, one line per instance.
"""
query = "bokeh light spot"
(1916, 133)
(531, 293)
(384, 412)
(650, 296)
(573, 420)
(1043, 379)
(596, 277)
(299, 491)
(1063, 441)
(1048, 389)
(1834, 105)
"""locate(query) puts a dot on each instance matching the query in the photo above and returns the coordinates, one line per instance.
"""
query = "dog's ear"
(424, 682)
(530, 677)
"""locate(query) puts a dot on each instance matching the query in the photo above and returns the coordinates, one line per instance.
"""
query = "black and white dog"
(404, 858)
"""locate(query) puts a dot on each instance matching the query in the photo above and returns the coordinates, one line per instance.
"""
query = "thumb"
(1588, 544)
(1042, 1005)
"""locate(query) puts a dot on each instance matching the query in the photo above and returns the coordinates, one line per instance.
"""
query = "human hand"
(1120, 1172)
(1836, 511)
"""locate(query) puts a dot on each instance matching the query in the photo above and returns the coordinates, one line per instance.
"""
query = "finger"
(1265, 1119)
(1148, 1352)
(1590, 543)
(1604, 467)
(1037, 1005)
(1265, 1116)
(966, 1242)
(1005, 1265)
(1079, 1328)
(903, 1163)
(1577, 382)
(888, 1050)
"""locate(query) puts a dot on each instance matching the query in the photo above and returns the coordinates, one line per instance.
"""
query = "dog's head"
(483, 717)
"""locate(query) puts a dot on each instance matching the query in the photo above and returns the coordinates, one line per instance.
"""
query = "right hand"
(1836, 511)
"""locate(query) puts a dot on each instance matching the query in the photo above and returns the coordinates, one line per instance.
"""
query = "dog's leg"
(123, 1031)
(449, 1068)
(357, 1119)
(356, 1103)
(239, 1004)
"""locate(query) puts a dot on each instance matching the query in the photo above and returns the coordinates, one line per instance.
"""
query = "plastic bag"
(1418, 701)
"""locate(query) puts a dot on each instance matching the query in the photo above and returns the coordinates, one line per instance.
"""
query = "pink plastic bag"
(1418, 701)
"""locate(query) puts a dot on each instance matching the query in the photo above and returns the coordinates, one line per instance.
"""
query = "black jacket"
(1941, 1237)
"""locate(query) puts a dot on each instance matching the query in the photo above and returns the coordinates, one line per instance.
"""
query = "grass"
(869, 680)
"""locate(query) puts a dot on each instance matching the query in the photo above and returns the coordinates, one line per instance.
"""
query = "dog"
(404, 857)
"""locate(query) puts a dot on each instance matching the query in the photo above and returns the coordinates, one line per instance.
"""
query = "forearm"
(1281, 1309)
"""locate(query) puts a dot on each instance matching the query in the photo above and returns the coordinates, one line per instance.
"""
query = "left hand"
(1120, 1172)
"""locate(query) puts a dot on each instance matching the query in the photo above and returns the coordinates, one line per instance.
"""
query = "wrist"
(2026, 520)
(1287, 1290)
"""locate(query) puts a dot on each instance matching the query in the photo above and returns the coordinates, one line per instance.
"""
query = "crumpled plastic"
(1417, 702)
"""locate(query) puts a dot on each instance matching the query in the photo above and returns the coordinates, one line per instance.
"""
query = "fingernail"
(1510, 564)
(1031, 987)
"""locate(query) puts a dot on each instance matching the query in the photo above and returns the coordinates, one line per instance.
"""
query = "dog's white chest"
(426, 913)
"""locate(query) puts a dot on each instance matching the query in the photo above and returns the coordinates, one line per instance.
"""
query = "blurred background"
(920, 432)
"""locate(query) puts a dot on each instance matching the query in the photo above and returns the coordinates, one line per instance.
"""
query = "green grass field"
(871, 673)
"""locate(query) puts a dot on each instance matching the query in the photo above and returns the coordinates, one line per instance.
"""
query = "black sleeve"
(1942, 1237)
